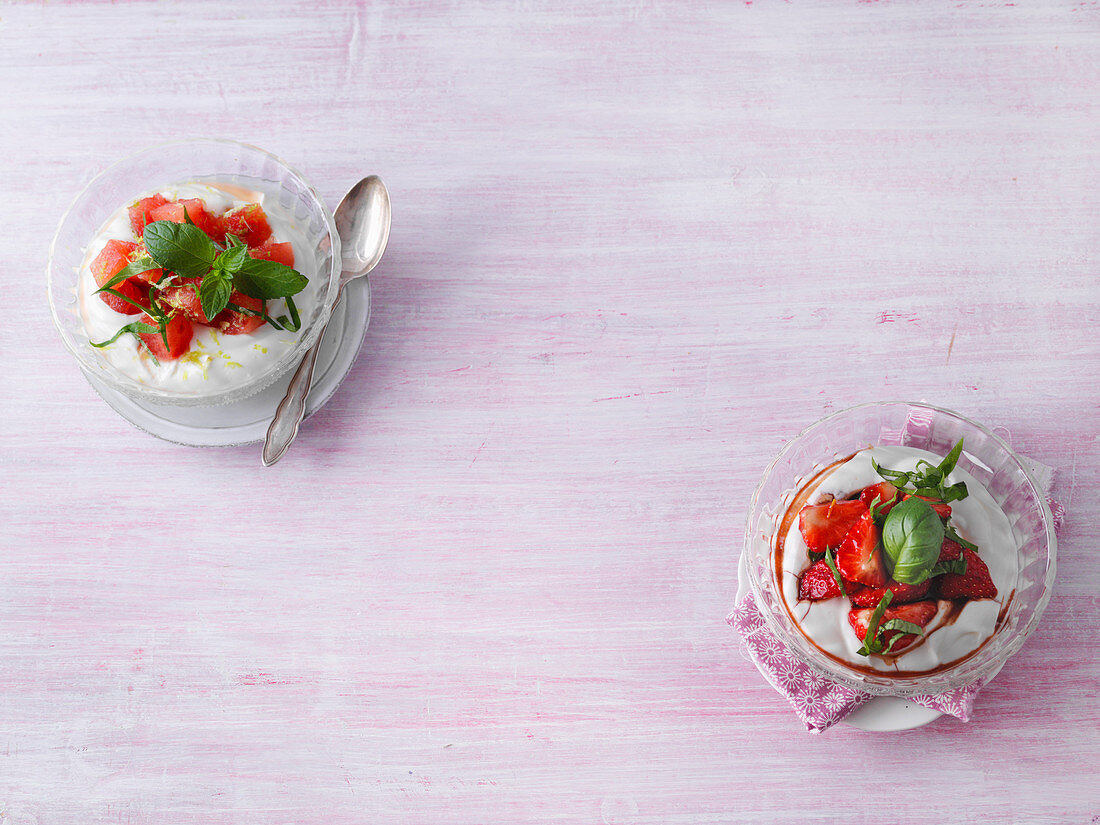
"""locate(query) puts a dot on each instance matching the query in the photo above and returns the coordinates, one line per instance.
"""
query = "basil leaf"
(267, 279)
(871, 643)
(899, 478)
(232, 240)
(950, 460)
(836, 573)
(912, 537)
(956, 566)
(180, 247)
(956, 492)
(214, 292)
(953, 534)
(135, 328)
(903, 626)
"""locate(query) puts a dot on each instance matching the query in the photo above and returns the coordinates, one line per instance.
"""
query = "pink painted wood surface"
(635, 248)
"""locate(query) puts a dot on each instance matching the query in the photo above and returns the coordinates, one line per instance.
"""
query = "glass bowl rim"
(230, 394)
(967, 671)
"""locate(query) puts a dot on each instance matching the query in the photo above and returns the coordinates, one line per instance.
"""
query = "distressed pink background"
(635, 247)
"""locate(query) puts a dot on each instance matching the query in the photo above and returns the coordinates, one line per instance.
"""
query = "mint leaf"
(233, 258)
(911, 538)
(180, 247)
(266, 279)
(141, 265)
(214, 291)
(135, 328)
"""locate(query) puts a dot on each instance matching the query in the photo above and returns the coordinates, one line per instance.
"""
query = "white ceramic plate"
(246, 421)
(881, 714)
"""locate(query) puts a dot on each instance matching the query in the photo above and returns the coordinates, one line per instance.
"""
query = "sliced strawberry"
(950, 550)
(111, 259)
(870, 596)
(859, 558)
(825, 525)
(184, 296)
(918, 613)
(232, 322)
(196, 210)
(942, 510)
(280, 253)
(248, 222)
(885, 492)
(975, 583)
(139, 212)
(179, 333)
(817, 582)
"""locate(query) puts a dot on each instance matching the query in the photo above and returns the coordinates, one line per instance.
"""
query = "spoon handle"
(284, 426)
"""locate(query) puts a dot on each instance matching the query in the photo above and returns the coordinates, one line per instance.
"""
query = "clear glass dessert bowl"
(985, 456)
(207, 161)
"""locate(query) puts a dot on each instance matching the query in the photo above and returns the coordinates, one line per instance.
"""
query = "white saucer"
(246, 421)
(882, 714)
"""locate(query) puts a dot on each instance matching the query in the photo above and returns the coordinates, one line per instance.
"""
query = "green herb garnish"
(185, 250)
(871, 642)
(928, 479)
(904, 627)
(836, 573)
(912, 537)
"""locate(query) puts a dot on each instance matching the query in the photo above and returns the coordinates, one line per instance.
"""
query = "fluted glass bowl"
(986, 457)
(287, 194)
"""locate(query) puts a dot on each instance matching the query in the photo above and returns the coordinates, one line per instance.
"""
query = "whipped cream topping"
(977, 518)
(215, 361)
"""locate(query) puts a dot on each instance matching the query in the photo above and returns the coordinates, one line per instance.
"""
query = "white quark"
(977, 518)
(215, 361)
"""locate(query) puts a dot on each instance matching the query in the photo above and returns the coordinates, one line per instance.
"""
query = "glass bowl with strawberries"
(900, 549)
(194, 273)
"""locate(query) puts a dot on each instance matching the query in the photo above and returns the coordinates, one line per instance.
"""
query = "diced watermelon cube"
(196, 211)
(113, 257)
(139, 212)
(232, 322)
(134, 290)
(178, 332)
(248, 222)
(184, 296)
(269, 250)
(150, 276)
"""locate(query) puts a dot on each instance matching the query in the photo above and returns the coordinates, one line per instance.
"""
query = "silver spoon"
(363, 221)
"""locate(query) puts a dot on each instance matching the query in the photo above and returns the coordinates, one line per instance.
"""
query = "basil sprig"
(929, 479)
(912, 537)
(871, 642)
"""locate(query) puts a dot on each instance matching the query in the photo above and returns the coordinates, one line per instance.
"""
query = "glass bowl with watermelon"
(868, 605)
(195, 273)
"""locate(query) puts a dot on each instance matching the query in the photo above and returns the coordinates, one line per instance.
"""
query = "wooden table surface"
(635, 248)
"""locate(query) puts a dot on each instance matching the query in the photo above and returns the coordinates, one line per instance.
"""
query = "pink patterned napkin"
(817, 700)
